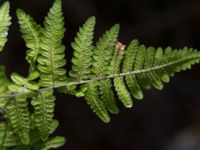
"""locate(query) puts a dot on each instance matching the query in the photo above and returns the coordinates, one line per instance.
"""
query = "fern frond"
(102, 68)
(83, 50)
(31, 34)
(51, 59)
(18, 115)
(43, 104)
(4, 23)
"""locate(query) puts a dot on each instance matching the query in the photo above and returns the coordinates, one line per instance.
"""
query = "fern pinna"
(98, 71)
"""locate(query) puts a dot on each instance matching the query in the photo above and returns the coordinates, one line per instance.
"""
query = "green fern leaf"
(17, 108)
(83, 50)
(4, 23)
(132, 69)
(107, 96)
(93, 100)
(43, 115)
(103, 52)
(18, 115)
(119, 84)
(31, 34)
(51, 59)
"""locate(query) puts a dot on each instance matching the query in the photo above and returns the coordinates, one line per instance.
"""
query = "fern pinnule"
(83, 50)
(119, 84)
(93, 100)
(51, 57)
(17, 107)
(103, 52)
(107, 95)
(43, 103)
(18, 114)
(31, 34)
(4, 23)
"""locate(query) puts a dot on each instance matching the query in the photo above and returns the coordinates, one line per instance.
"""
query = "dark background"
(163, 115)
